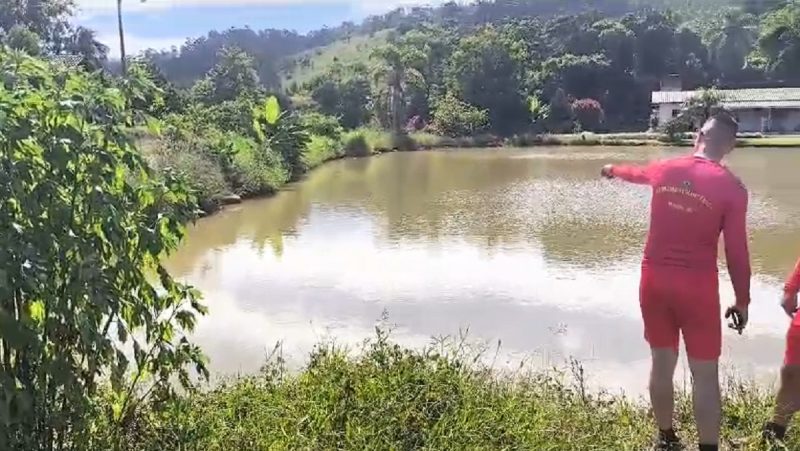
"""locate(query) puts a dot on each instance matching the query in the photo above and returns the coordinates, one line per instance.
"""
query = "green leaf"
(154, 126)
(272, 110)
(37, 311)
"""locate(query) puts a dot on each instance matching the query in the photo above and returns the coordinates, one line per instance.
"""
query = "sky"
(160, 24)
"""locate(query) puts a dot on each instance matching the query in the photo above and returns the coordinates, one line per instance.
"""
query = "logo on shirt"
(687, 185)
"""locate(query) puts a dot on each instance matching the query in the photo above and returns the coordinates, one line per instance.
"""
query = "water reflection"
(527, 246)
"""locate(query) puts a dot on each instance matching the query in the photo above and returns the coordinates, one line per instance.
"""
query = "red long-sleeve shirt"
(793, 282)
(694, 200)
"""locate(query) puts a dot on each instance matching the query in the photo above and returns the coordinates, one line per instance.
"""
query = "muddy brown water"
(526, 247)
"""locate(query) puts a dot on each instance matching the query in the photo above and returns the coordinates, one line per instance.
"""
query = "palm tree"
(396, 69)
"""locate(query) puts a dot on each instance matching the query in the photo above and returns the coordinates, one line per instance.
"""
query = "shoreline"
(382, 142)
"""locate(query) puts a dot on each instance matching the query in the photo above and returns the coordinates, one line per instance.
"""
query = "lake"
(527, 248)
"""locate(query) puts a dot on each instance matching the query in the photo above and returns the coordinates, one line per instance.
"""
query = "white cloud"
(135, 43)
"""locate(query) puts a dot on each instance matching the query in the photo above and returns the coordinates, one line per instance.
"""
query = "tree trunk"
(123, 57)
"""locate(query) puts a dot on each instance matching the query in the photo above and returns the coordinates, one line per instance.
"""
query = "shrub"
(355, 144)
(83, 295)
(322, 149)
(322, 125)
(192, 161)
(453, 117)
(257, 170)
(588, 113)
(282, 132)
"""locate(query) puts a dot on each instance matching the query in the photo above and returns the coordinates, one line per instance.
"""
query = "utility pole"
(122, 40)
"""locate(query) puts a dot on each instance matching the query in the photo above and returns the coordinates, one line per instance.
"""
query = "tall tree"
(83, 41)
(397, 68)
(732, 43)
(779, 42)
(486, 71)
(233, 77)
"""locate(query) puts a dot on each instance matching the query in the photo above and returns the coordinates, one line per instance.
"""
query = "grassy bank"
(217, 175)
(387, 397)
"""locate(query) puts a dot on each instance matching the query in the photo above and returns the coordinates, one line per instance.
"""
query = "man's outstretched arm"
(737, 253)
(641, 175)
(793, 282)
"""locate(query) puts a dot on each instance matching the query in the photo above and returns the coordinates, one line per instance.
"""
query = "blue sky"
(163, 23)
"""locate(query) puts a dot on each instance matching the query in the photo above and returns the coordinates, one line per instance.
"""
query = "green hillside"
(304, 66)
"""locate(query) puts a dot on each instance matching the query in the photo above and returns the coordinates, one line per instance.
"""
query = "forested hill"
(272, 49)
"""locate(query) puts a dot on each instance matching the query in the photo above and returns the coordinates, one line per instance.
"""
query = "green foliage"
(322, 148)
(701, 106)
(485, 71)
(441, 397)
(82, 284)
(453, 117)
(282, 133)
(322, 125)
(343, 92)
(233, 77)
(539, 110)
(397, 69)
(779, 41)
(21, 38)
(355, 144)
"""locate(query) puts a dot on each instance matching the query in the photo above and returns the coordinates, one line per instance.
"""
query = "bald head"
(717, 138)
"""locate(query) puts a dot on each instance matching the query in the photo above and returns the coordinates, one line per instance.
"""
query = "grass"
(322, 149)
(355, 50)
(437, 398)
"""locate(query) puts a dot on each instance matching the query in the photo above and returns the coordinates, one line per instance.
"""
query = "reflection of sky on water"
(534, 252)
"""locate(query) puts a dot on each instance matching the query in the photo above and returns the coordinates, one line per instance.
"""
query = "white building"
(764, 110)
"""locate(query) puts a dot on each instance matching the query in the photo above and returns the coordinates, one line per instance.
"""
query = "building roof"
(739, 98)
(68, 61)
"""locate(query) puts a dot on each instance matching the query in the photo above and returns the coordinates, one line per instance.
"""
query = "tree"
(397, 68)
(697, 109)
(48, 19)
(233, 77)
(779, 41)
(343, 92)
(21, 38)
(731, 44)
(84, 297)
(82, 41)
(485, 71)
(454, 117)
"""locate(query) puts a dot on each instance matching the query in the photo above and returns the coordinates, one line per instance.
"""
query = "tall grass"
(438, 398)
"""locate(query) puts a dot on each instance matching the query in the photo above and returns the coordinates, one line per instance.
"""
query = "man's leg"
(662, 333)
(701, 324)
(707, 402)
(788, 402)
(662, 392)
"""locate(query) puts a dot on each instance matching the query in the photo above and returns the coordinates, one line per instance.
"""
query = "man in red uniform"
(788, 402)
(695, 198)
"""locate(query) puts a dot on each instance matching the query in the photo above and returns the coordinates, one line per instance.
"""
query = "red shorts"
(792, 357)
(676, 301)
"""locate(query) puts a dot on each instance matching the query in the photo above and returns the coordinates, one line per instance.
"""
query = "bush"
(84, 297)
(193, 161)
(453, 117)
(589, 114)
(322, 125)
(322, 149)
(355, 144)
(257, 171)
